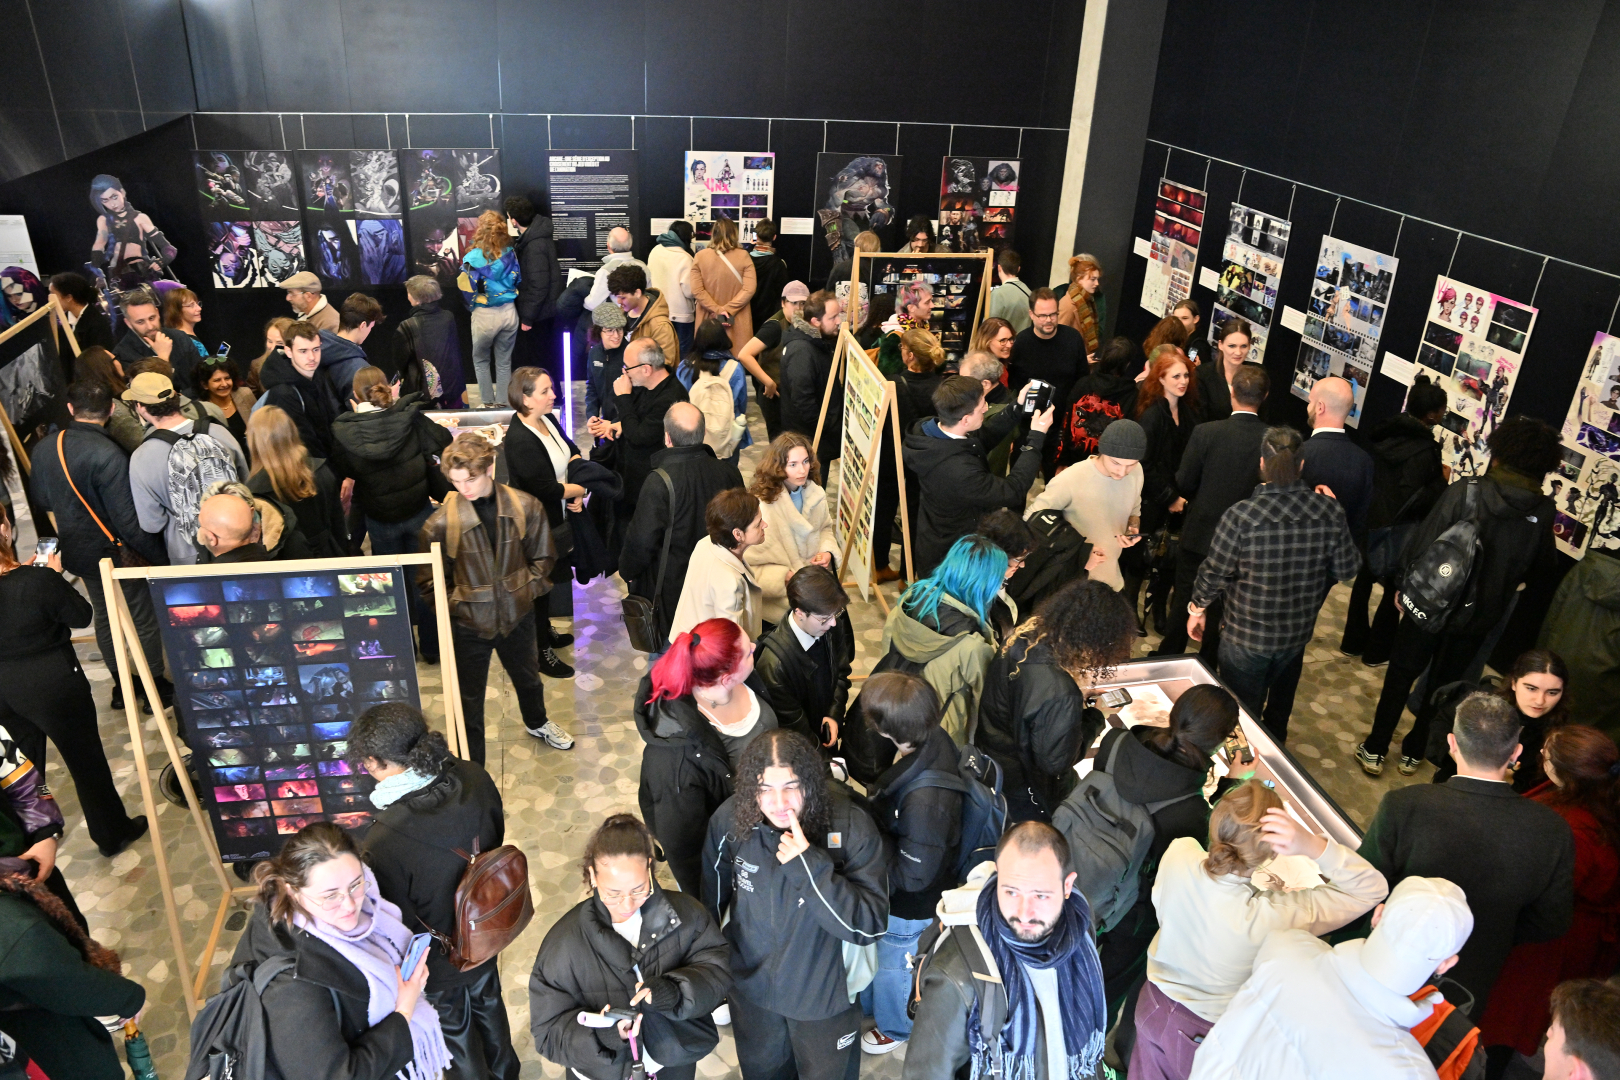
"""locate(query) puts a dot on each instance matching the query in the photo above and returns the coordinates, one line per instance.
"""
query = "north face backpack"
(228, 1040)
(1109, 840)
(712, 395)
(984, 807)
(1060, 559)
(195, 462)
(1439, 582)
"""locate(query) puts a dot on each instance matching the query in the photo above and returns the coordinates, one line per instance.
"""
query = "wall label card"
(592, 193)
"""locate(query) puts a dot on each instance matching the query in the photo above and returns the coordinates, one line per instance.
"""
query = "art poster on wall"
(978, 203)
(1585, 489)
(1251, 268)
(855, 193)
(730, 184)
(353, 215)
(445, 192)
(270, 671)
(253, 241)
(593, 192)
(958, 284)
(1344, 319)
(1178, 225)
(1473, 346)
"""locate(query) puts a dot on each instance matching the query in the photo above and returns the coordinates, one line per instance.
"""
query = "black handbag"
(647, 631)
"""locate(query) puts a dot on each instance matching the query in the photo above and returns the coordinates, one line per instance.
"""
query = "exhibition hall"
(542, 541)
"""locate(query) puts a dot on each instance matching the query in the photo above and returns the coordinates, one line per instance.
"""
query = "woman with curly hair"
(798, 525)
(55, 981)
(489, 281)
(218, 382)
(1078, 306)
(630, 944)
(801, 871)
(1167, 409)
(1034, 720)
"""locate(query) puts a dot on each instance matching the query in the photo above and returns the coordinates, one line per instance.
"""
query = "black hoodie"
(541, 283)
(958, 488)
(309, 401)
(922, 832)
(807, 361)
(1406, 462)
(386, 452)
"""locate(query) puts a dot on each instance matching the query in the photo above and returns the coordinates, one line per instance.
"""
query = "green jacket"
(954, 658)
(49, 996)
(1583, 627)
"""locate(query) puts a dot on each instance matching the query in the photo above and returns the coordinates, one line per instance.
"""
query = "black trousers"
(1370, 641)
(772, 1047)
(47, 696)
(1447, 657)
(1175, 635)
(520, 656)
(139, 599)
(476, 1031)
(770, 408)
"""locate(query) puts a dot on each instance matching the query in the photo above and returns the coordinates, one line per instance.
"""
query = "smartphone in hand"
(43, 550)
(413, 954)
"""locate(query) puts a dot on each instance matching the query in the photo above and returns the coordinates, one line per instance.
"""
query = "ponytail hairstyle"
(56, 913)
(1204, 717)
(279, 878)
(1588, 766)
(394, 733)
(702, 656)
(619, 835)
(1235, 846)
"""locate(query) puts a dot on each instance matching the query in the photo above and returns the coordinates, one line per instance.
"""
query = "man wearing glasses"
(1048, 350)
(643, 393)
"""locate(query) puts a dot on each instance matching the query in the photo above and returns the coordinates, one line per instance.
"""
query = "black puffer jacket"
(807, 360)
(1034, 722)
(311, 403)
(802, 694)
(685, 774)
(697, 476)
(583, 964)
(922, 832)
(1406, 462)
(411, 847)
(307, 1035)
(387, 454)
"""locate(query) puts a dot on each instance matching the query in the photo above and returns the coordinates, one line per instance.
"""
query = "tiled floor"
(554, 798)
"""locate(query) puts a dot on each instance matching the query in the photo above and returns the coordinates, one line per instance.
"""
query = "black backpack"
(1059, 559)
(984, 808)
(228, 1040)
(1440, 582)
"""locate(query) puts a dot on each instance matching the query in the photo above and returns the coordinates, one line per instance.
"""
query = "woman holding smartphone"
(654, 958)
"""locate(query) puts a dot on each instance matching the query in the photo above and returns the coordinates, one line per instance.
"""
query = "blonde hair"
(1235, 846)
(277, 450)
(924, 347)
(868, 242)
(724, 236)
(470, 452)
(491, 236)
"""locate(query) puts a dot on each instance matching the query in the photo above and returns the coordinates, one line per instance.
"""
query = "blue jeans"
(885, 999)
(404, 538)
(684, 332)
(494, 335)
(1264, 683)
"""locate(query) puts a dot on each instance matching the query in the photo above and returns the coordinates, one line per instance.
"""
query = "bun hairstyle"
(702, 656)
(395, 734)
(280, 877)
(619, 835)
(1235, 846)
(1203, 718)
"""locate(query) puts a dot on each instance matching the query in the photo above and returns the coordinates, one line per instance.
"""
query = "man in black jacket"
(801, 870)
(770, 272)
(696, 476)
(643, 393)
(807, 361)
(431, 807)
(1219, 469)
(1332, 460)
(1516, 540)
(429, 333)
(1513, 857)
(146, 337)
(539, 342)
(99, 468)
(957, 486)
(294, 381)
(805, 659)
(82, 307)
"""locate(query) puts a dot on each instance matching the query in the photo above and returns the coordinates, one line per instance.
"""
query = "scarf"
(1014, 1054)
(376, 946)
(394, 788)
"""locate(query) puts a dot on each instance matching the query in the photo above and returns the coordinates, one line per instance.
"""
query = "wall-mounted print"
(324, 175)
(978, 200)
(1178, 226)
(129, 248)
(267, 176)
(382, 250)
(854, 193)
(234, 257)
(731, 184)
(281, 246)
(221, 190)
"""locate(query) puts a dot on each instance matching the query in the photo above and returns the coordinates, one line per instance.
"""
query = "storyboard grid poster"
(729, 184)
(1251, 267)
(249, 207)
(1178, 224)
(978, 203)
(1585, 489)
(270, 671)
(1344, 319)
(1473, 346)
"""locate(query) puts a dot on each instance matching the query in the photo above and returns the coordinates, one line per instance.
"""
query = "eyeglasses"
(1017, 562)
(637, 894)
(329, 901)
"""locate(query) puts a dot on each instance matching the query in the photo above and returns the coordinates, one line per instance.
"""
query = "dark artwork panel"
(957, 283)
(382, 250)
(323, 176)
(267, 177)
(854, 193)
(375, 176)
(233, 257)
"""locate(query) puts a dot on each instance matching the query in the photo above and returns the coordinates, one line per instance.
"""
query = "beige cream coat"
(717, 291)
(791, 540)
(718, 585)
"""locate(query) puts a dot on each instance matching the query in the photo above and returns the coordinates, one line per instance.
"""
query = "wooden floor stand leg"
(449, 676)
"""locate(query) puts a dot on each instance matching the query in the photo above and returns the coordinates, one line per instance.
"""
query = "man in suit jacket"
(1219, 469)
(1332, 460)
(1513, 857)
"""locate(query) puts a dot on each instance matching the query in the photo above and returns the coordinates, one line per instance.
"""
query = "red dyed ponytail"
(702, 657)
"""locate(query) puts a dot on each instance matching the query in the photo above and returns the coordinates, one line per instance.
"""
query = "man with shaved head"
(1333, 464)
(226, 526)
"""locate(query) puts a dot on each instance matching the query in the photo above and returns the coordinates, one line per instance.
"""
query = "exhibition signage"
(592, 193)
(1178, 223)
(978, 199)
(1585, 489)
(1251, 268)
(1344, 319)
(731, 184)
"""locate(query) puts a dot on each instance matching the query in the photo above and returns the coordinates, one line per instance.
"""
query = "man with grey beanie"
(1101, 497)
(1310, 1009)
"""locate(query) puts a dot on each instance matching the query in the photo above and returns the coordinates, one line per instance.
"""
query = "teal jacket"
(487, 284)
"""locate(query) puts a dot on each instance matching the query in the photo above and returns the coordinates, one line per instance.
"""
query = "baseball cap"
(149, 388)
(796, 291)
(301, 280)
(1425, 921)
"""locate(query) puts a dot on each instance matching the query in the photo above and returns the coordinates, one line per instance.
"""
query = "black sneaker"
(552, 666)
(117, 696)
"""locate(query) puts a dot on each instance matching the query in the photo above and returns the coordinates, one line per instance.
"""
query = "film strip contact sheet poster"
(1178, 225)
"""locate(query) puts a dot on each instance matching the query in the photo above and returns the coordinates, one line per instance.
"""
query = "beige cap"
(1425, 921)
(796, 292)
(149, 388)
(301, 280)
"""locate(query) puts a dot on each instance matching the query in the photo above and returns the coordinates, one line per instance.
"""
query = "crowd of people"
(961, 846)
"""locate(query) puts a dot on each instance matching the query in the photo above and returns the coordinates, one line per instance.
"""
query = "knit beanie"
(1123, 439)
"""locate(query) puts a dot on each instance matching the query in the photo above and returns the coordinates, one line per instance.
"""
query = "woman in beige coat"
(798, 529)
(722, 282)
(718, 583)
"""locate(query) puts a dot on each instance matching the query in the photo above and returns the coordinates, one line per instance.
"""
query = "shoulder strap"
(734, 271)
(266, 972)
(927, 778)
(199, 426)
(663, 560)
(728, 369)
(61, 437)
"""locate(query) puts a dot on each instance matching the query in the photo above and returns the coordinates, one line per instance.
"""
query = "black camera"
(1039, 397)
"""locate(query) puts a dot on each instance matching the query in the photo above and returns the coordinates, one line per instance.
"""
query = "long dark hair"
(56, 913)
(395, 733)
(1539, 662)
(1203, 718)
(619, 835)
(1587, 763)
(783, 748)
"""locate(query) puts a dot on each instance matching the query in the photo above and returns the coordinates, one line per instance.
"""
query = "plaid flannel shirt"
(1275, 555)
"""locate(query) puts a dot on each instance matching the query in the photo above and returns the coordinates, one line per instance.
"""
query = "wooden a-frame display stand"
(52, 311)
(127, 645)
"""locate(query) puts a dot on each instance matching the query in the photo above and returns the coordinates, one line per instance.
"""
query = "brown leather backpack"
(493, 905)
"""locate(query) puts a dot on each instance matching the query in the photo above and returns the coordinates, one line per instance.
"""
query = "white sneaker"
(875, 1042)
(553, 735)
(722, 1015)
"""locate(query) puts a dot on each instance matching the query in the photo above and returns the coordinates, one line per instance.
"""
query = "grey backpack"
(195, 462)
(1109, 840)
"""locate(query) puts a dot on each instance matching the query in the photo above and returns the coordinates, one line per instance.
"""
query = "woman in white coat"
(799, 530)
(719, 584)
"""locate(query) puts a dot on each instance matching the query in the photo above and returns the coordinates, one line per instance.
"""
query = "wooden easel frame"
(968, 258)
(53, 311)
(127, 645)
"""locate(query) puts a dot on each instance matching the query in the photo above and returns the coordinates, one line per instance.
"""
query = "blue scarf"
(394, 788)
(1015, 1053)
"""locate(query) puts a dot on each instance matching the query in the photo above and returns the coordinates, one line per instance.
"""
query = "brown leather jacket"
(491, 587)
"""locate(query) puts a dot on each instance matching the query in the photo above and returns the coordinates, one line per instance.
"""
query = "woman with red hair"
(696, 710)
(1583, 784)
(1167, 409)
(1078, 306)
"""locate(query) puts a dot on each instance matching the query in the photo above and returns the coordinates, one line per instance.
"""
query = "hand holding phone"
(413, 954)
(43, 551)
